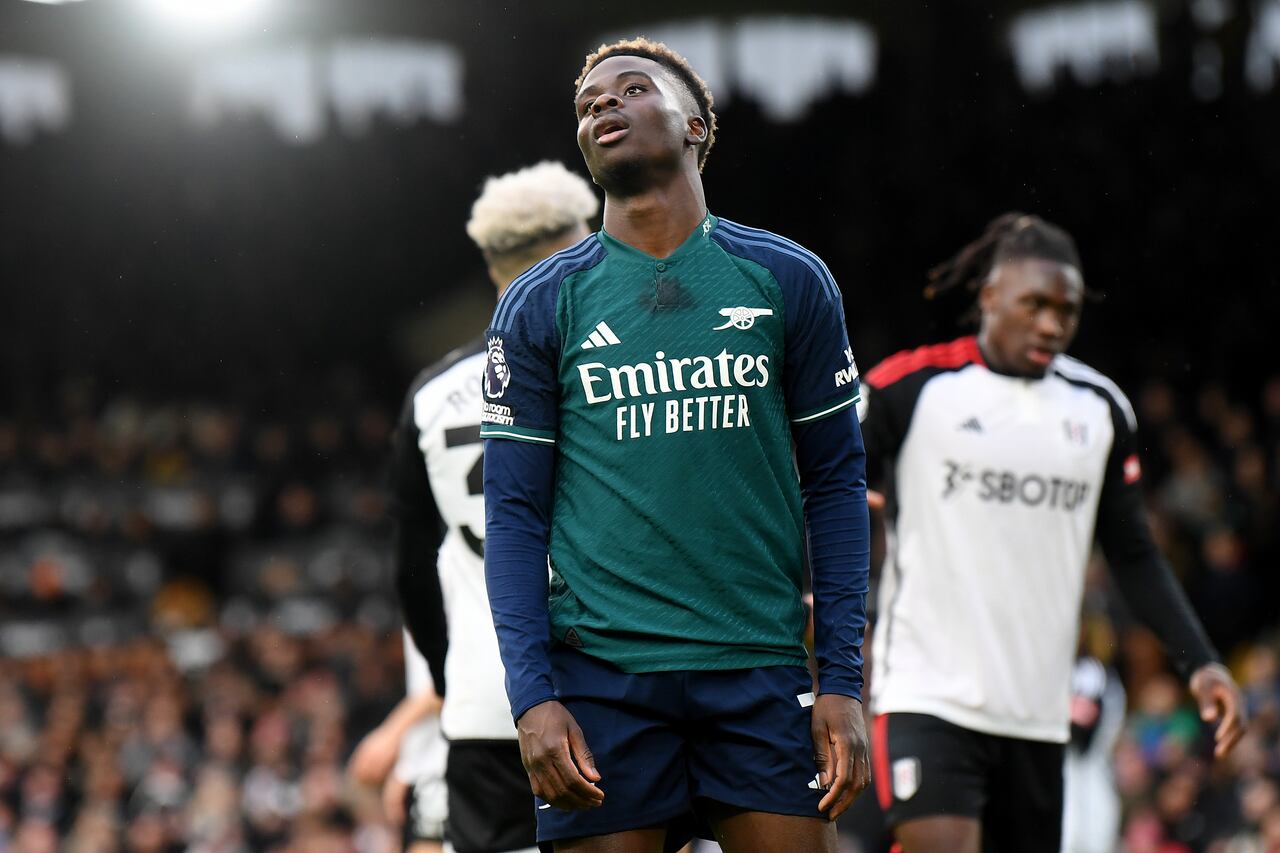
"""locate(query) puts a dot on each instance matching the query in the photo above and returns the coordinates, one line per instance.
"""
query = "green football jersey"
(669, 388)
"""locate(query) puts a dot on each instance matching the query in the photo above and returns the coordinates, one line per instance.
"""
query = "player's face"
(1030, 313)
(633, 121)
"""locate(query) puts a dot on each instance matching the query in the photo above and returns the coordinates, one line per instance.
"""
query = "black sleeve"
(419, 531)
(875, 436)
(885, 413)
(1143, 576)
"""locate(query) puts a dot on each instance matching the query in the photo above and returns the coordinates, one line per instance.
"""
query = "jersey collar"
(700, 235)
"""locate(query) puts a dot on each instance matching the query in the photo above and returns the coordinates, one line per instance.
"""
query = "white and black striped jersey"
(999, 483)
(437, 486)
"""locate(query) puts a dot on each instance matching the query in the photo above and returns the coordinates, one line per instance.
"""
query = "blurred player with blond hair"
(451, 649)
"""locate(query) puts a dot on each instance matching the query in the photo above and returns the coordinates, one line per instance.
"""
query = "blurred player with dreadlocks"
(437, 473)
(1007, 456)
(642, 397)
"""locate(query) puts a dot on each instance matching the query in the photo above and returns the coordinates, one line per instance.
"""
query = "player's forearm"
(1157, 600)
(419, 532)
(832, 475)
(412, 743)
(410, 710)
(1145, 579)
(421, 599)
(519, 480)
(517, 580)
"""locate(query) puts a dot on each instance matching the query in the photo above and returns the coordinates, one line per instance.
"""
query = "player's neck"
(658, 220)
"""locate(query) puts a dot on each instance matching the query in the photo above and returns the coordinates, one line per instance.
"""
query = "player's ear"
(696, 133)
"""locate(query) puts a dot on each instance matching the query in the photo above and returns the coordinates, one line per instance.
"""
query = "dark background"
(149, 255)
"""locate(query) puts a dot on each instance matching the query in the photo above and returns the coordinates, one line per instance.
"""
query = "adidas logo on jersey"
(971, 425)
(602, 336)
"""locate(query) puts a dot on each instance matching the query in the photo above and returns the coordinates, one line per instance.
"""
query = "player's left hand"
(1220, 702)
(841, 751)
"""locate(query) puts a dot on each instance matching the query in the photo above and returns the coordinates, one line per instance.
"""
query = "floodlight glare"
(201, 13)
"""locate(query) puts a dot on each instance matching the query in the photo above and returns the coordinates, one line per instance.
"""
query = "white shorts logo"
(497, 375)
(741, 317)
(906, 778)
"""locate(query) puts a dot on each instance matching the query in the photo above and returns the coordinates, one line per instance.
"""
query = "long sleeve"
(832, 467)
(1140, 571)
(419, 532)
(519, 425)
(822, 389)
(519, 482)
(421, 599)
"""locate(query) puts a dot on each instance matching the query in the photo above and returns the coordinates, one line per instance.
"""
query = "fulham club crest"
(1076, 432)
(906, 778)
(497, 375)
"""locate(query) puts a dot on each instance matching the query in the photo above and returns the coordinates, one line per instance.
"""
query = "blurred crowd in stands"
(197, 625)
(1212, 470)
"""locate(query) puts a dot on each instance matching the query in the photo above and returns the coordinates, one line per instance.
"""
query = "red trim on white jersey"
(950, 355)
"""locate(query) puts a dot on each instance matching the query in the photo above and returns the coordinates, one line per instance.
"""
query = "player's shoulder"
(790, 263)
(440, 370)
(542, 280)
(1076, 372)
(925, 361)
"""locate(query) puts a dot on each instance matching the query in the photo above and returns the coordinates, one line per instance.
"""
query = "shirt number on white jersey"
(459, 437)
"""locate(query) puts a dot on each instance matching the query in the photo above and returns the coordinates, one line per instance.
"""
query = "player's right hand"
(555, 754)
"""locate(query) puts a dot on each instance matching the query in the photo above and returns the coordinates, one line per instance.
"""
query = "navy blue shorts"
(664, 741)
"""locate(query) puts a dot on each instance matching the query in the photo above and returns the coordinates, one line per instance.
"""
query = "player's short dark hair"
(673, 62)
(1007, 237)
